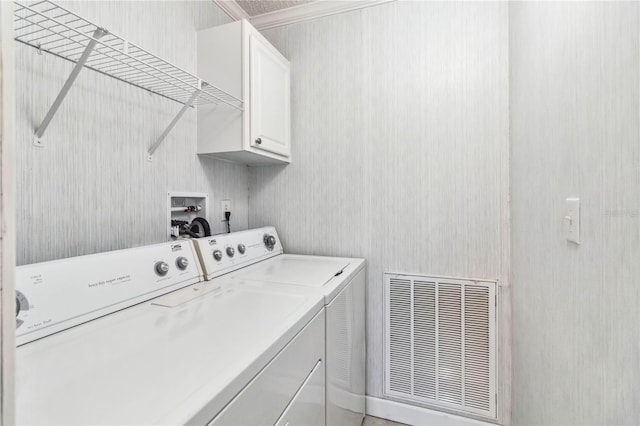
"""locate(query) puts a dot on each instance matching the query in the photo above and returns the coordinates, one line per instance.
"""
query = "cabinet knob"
(259, 141)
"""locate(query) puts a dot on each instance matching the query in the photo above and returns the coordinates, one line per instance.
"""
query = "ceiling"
(258, 7)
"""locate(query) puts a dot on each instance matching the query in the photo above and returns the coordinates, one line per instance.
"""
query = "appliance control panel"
(225, 253)
(53, 296)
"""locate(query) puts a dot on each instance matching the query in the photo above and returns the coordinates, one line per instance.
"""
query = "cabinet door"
(269, 99)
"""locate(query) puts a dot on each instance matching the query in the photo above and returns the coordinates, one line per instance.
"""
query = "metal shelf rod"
(99, 32)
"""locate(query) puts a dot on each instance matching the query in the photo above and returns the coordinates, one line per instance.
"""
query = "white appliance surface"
(341, 282)
(56, 295)
(344, 331)
(180, 357)
(247, 256)
(327, 275)
(313, 271)
(153, 364)
(225, 253)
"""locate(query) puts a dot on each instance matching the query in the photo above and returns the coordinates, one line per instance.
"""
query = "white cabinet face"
(270, 99)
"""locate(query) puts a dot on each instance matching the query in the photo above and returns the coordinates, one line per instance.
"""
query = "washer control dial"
(22, 305)
(230, 251)
(241, 248)
(269, 241)
(217, 255)
(162, 268)
(182, 263)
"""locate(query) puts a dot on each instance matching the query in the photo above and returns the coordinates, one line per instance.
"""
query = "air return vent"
(440, 343)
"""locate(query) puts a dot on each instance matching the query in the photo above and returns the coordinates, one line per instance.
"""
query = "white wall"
(91, 189)
(574, 132)
(400, 155)
(400, 145)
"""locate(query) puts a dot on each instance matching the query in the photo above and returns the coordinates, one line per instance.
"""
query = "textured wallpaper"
(400, 150)
(91, 188)
(575, 130)
(399, 144)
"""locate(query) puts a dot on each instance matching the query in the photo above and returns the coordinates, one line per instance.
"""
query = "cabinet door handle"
(259, 141)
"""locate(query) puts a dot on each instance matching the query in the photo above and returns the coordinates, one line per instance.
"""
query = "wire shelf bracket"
(97, 34)
(177, 118)
(50, 28)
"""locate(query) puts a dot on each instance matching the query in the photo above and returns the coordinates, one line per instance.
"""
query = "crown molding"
(232, 9)
(307, 11)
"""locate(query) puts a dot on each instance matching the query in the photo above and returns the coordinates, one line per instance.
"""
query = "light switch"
(572, 220)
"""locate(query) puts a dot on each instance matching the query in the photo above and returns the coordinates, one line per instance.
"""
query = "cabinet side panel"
(220, 64)
(219, 129)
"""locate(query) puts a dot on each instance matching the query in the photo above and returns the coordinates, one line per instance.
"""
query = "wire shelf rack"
(51, 28)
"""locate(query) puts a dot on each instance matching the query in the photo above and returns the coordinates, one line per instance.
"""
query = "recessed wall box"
(185, 206)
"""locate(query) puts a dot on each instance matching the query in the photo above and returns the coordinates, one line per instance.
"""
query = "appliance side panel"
(345, 359)
(307, 407)
(267, 396)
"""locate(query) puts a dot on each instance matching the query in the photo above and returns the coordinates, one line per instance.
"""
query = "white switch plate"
(225, 206)
(572, 220)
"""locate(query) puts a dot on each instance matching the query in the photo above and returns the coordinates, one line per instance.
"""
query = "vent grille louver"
(400, 337)
(440, 343)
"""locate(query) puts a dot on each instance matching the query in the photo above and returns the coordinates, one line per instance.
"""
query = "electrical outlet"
(225, 205)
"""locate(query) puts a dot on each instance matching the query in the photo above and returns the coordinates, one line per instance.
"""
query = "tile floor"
(376, 421)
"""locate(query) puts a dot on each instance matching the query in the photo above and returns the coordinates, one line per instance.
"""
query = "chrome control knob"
(269, 241)
(241, 248)
(162, 268)
(217, 255)
(230, 251)
(182, 263)
(22, 304)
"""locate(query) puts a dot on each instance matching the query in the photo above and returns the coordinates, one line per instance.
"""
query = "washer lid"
(151, 364)
(309, 271)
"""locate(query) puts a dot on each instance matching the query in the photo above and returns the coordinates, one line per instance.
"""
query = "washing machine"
(339, 281)
(138, 337)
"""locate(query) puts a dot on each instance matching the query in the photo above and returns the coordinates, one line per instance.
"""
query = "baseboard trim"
(418, 416)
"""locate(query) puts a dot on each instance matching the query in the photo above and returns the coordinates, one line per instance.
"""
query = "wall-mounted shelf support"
(97, 34)
(184, 109)
(50, 28)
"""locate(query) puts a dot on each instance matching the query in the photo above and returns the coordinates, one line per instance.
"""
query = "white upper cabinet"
(237, 58)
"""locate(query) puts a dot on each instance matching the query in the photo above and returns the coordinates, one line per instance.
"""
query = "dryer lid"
(312, 271)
